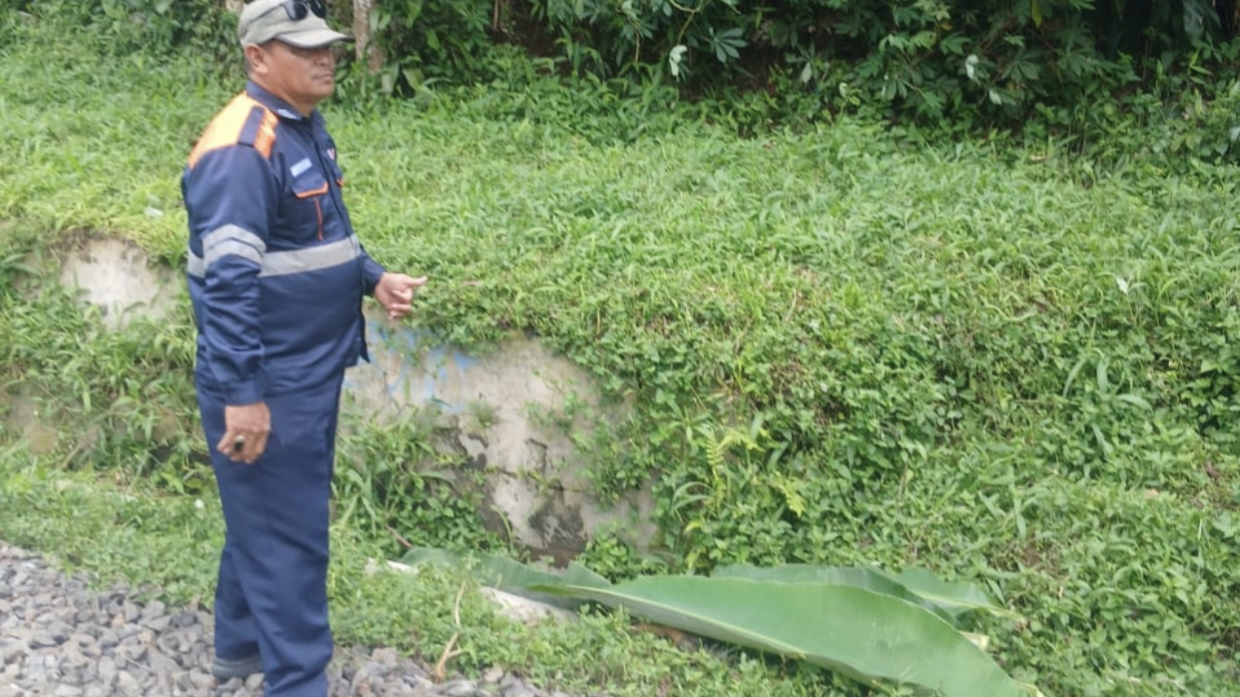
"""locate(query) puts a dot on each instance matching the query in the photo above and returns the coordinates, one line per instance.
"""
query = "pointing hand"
(395, 292)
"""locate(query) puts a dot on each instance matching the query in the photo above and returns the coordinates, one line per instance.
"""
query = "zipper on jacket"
(318, 209)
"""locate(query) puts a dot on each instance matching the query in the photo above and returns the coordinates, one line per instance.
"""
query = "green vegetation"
(885, 627)
(1068, 69)
(174, 541)
(843, 344)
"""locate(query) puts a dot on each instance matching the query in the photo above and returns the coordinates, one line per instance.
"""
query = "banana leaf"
(956, 598)
(859, 633)
(917, 586)
(511, 576)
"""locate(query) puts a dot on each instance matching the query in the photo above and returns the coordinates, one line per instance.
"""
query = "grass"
(169, 544)
(1006, 365)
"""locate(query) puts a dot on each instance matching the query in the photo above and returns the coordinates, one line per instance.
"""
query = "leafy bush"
(988, 61)
(1003, 364)
(1075, 71)
(430, 41)
(161, 27)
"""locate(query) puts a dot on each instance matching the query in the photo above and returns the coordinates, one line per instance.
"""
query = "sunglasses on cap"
(298, 10)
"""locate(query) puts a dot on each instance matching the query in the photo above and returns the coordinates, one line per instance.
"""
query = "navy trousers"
(272, 592)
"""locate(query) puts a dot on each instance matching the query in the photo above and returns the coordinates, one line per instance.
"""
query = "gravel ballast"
(59, 637)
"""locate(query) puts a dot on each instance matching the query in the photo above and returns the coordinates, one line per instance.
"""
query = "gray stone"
(107, 670)
(386, 657)
(201, 681)
(12, 650)
(128, 685)
(45, 639)
(153, 609)
(185, 618)
(459, 688)
(61, 639)
(21, 634)
(71, 656)
(128, 630)
(157, 624)
(161, 664)
(419, 682)
(11, 671)
(371, 670)
(399, 689)
(133, 652)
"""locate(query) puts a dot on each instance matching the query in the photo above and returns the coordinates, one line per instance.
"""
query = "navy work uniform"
(277, 278)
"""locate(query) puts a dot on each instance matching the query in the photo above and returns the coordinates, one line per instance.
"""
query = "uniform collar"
(282, 108)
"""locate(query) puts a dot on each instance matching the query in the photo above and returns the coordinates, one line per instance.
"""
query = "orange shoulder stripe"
(266, 138)
(228, 126)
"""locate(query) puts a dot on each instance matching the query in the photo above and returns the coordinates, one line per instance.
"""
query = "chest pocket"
(306, 207)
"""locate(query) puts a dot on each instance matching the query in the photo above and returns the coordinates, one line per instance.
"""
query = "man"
(277, 279)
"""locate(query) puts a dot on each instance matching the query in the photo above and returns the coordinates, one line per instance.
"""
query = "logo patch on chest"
(297, 169)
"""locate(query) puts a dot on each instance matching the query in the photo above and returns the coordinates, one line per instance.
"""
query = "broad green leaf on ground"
(508, 575)
(865, 635)
(955, 597)
(859, 578)
(949, 600)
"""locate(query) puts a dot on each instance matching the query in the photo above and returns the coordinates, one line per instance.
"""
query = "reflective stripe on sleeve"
(280, 263)
(195, 266)
(231, 232)
(233, 247)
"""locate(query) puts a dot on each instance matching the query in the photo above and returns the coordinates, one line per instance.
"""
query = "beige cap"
(264, 20)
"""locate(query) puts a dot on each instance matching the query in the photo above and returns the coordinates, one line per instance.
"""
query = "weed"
(832, 346)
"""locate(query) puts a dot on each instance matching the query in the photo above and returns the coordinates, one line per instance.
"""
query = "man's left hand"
(395, 293)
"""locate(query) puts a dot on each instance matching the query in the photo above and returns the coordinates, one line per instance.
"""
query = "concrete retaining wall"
(488, 405)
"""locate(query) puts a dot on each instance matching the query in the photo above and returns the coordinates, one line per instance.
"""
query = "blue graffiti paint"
(465, 361)
(406, 343)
